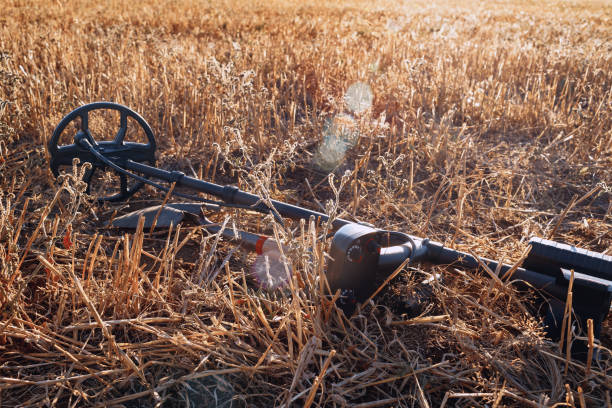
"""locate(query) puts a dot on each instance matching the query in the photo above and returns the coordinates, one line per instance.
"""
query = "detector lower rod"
(229, 194)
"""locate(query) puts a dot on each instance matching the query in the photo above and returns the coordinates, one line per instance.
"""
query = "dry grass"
(487, 122)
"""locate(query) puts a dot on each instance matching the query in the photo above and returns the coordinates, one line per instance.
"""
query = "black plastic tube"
(230, 195)
(437, 253)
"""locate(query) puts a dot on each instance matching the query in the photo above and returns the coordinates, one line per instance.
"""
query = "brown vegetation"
(487, 122)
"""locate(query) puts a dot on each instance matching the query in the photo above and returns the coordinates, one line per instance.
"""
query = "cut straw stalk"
(305, 358)
(420, 320)
(318, 380)
(122, 356)
(386, 282)
(387, 402)
(489, 395)
(566, 311)
(34, 235)
(577, 365)
(591, 341)
(575, 201)
(399, 377)
(7, 382)
(180, 380)
(567, 324)
(122, 322)
(161, 207)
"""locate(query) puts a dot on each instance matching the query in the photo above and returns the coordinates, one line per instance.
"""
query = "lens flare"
(394, 26)
(359, 97)
(339, 135)
(271, 270)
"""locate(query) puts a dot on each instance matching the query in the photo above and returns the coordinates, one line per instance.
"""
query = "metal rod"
(230, 194)
(437, 253)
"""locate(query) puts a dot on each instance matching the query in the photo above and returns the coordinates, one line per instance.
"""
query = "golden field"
(488, 123)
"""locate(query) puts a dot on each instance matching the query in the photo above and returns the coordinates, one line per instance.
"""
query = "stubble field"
(476, 124)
